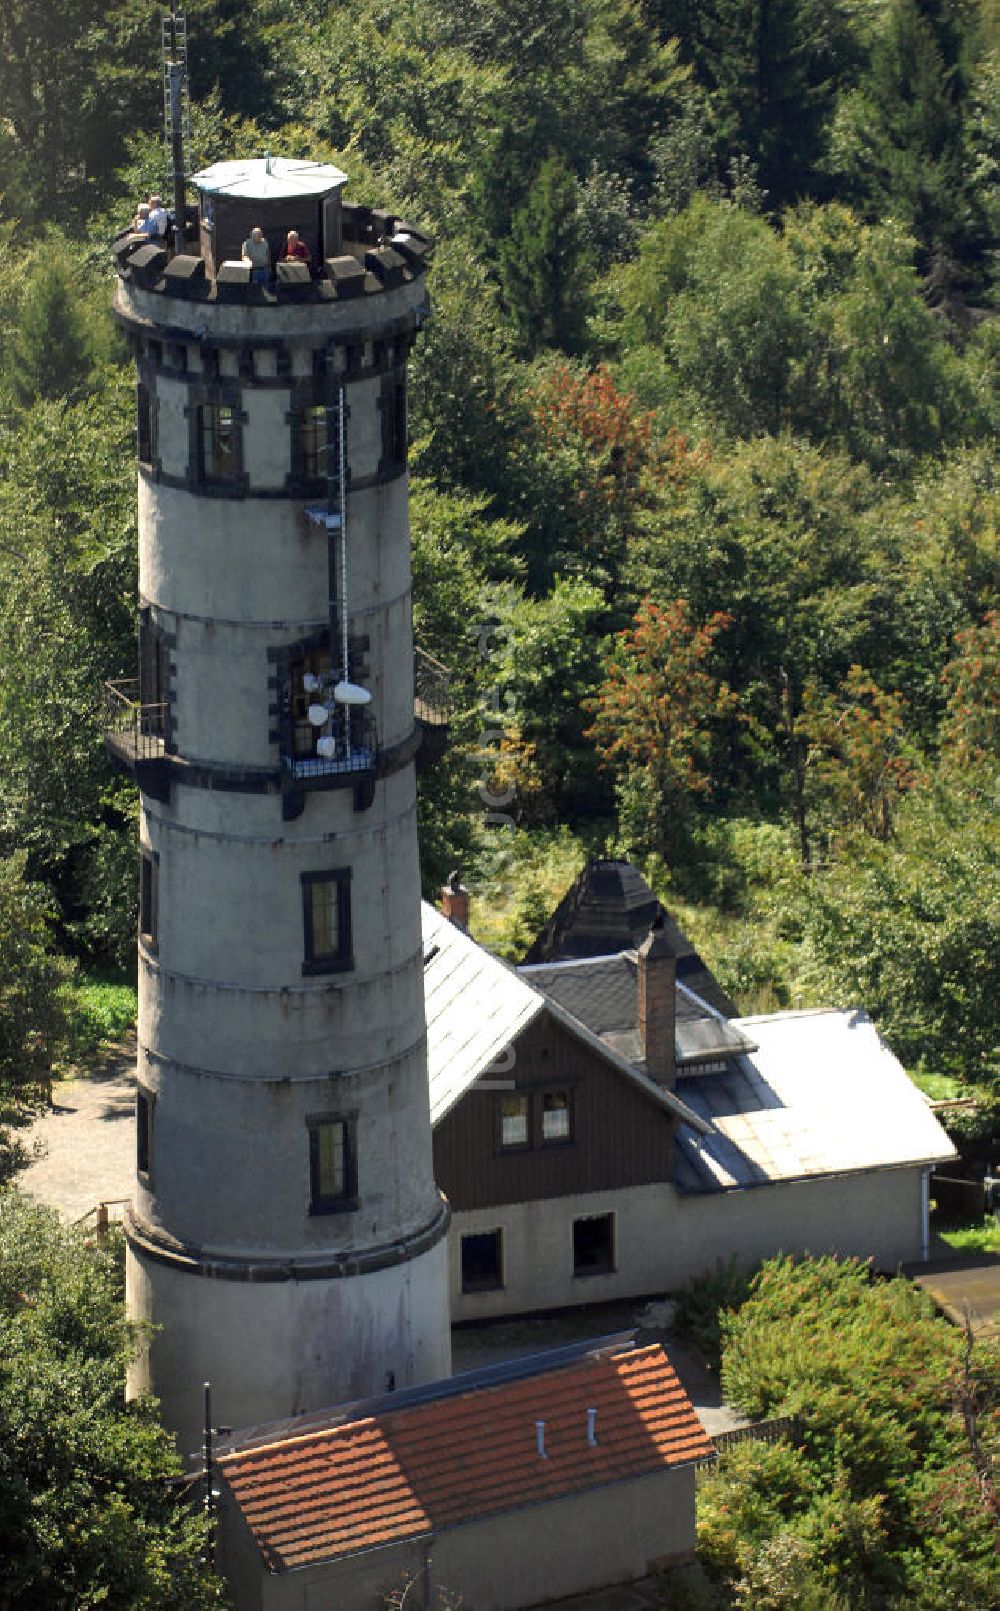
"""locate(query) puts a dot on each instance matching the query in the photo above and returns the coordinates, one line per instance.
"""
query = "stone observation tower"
(286, 1237)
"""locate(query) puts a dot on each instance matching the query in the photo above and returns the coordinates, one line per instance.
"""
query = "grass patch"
(981, 1236)
(102, 1012)
(939, 1087)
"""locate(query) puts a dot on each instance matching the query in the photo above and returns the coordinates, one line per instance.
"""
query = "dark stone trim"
(325, 1266)
(404, 327)
(269, 780)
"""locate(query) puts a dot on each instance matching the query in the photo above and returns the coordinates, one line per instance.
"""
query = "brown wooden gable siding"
(621, 1137)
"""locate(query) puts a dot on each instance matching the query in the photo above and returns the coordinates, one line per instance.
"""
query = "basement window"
(594, 1245)
(333, 1179)
(482, 1261)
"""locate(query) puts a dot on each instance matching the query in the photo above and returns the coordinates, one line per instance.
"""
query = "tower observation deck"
(286, 1237)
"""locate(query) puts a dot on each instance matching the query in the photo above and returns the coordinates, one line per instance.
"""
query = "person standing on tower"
(296, 250)
(257, 253)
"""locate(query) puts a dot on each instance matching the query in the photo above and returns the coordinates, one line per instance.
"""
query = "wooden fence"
(779, 1428)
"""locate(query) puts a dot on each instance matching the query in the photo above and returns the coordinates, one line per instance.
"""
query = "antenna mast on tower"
(176, 109)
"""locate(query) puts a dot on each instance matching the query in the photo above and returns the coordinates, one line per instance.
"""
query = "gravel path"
(85, 1143)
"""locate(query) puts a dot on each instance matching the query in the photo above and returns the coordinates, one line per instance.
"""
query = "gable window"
(145, 424)
(594, 1245)
(326, 919)
(217, 447)
(333, 1181)
(513, 1113)
(149, 898)
(482, 1261)
(143, 1132)
(557, 1117)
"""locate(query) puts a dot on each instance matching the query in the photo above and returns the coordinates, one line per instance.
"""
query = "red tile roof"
(431, 1465)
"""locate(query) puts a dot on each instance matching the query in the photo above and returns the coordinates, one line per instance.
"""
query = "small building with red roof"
(538, 1478)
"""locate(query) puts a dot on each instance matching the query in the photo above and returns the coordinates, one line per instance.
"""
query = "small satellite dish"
(311, 683)
(318, 715)
(326, 747)
(350, 693)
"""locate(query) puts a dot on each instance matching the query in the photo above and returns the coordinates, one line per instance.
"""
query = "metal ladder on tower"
(176, 98)
(336, 509)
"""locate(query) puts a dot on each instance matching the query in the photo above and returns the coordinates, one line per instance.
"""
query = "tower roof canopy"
(270, 178)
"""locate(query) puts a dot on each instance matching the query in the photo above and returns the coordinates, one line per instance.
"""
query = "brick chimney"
(658, 1003)
(455, 901)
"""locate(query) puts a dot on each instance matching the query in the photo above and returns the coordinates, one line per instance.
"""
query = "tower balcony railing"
(431, 689)
(352, 752)
(133, 729)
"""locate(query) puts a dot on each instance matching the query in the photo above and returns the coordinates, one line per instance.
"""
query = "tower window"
(333, 1182)
(316, 440)
(513, 1113)
(217, 445)
(482, 1261)
(149, 899)
(326, 917)
(594, 1245)
(312, 442)
(394, 419)
(557, 1117)
(143, 1132)
(145, 424)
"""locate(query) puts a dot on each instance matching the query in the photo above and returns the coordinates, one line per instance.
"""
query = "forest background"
(703, 463)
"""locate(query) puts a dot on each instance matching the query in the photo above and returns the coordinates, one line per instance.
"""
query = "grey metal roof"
(603, 993)
(476, 1006)
(269, 178)
(821, 1095)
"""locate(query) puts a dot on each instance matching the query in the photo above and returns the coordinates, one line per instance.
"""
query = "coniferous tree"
(910, 149)
(772, 68)
(542, 262)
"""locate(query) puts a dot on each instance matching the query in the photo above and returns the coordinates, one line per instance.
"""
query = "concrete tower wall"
(251, 1047)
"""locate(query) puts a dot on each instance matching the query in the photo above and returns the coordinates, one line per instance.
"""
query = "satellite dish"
(326, 747)
(318, 715)
(350, 693)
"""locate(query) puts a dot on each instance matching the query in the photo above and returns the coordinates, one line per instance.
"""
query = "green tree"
(910, 929)
(970, 732)
(86, 1518)
(543, 263)
(881, 1504)
(49, 354)
(903, 138)
(772, 69)
(654, 716)
(858, 756)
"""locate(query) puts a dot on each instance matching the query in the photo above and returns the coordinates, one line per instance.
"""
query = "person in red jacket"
(296, 250)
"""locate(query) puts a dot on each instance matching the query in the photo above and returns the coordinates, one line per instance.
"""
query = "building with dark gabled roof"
(609, 908)
(603, 1133)
(546, 1476)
